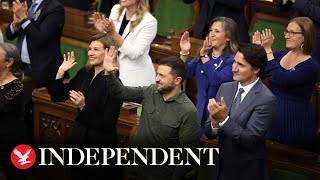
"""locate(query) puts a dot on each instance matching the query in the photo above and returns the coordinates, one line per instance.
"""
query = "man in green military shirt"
(168, 119)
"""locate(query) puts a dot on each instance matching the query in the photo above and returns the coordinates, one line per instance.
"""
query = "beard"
(165, 89)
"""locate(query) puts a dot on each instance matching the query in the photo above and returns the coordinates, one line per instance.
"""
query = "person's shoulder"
(148, 16)
(15, 88)
(228, 84)
(278, 55)
(82, 72)
(187, 103)
(17, 84)
(266, 93)
(54, 4)
(115, 9)
(228, 58)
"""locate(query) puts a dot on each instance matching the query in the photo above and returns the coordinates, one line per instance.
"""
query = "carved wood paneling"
(53, 122)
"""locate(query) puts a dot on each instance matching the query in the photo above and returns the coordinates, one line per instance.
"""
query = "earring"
(301, 47)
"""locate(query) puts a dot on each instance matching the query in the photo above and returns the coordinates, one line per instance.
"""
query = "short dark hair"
(178, 68)
(255, 55)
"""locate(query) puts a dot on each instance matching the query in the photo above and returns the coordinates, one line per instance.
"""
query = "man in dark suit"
(242, 117)
(38, 37)
(38, 26)
(210, 9)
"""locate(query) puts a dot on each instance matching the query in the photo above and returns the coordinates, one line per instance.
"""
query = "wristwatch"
(206, 55)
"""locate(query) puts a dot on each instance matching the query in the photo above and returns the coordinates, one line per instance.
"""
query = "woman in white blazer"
(133, 28)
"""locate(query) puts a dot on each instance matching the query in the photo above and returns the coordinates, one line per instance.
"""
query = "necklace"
(213, 56)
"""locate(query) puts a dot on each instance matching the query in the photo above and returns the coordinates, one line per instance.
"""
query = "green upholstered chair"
(8, 41)
(175, 15)
(280, 174)
(277, 25)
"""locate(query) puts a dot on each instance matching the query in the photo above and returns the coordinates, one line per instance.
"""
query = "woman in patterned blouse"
(12, 125)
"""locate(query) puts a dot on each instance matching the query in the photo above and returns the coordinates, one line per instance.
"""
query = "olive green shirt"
(164, 124)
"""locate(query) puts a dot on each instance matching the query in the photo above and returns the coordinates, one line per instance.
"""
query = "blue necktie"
(236, 101)
(31, 10)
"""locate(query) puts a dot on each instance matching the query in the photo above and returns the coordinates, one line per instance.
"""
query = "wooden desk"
(283, 157)
(53, 122)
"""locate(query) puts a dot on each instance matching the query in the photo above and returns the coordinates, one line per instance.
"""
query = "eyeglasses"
(291, 33)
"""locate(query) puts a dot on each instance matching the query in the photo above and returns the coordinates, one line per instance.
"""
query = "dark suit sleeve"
(236, 4)
(49, 28)
(118, 90)
(256, 127)
(284, 7)
(208, 130)
(59, 91)
(11, 35)
(309, 9)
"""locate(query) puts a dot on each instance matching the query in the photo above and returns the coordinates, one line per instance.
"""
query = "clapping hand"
(109, 62)
(206, 47)
(185, 44)
(218, 111)
(20, 12)
(78, 99)
(99, 22)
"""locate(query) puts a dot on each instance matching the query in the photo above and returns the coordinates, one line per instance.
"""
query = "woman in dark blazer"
(95, 125)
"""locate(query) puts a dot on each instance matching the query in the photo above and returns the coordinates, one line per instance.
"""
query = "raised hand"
(109, 62)
(68, 62)
(185, 44)
(206, 47)
(99, 22)
(256, 38)
(77, 98)
(267, 39)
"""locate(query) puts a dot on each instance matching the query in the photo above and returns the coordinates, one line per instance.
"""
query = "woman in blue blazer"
(213, 66)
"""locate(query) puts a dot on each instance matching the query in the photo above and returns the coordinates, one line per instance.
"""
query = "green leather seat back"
(277, 30)
(173, 14)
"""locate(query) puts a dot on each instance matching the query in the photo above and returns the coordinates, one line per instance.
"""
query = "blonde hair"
(142, 8)
(230, 27)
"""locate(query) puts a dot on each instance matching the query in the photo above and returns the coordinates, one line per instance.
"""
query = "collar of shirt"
(38, 3)
(246, 88)
(178, 98)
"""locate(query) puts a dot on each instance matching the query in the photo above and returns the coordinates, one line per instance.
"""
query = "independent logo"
(23, 156)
